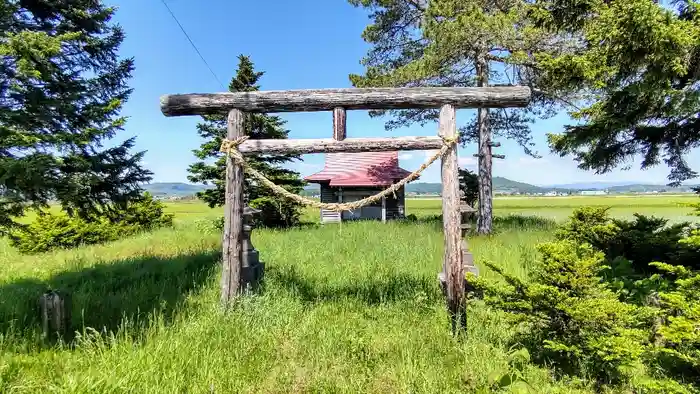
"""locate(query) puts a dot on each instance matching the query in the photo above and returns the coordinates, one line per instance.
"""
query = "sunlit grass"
(350, 308)
(672, 207)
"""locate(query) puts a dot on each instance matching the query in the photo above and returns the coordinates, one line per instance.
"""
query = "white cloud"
(405, 156)
(467, 161)
(531, 160)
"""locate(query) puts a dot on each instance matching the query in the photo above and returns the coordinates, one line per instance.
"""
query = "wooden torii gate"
(338, 101)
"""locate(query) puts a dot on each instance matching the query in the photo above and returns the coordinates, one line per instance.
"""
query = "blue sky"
(300, 44)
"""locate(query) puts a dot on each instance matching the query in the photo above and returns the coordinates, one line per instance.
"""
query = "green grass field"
(345, 309)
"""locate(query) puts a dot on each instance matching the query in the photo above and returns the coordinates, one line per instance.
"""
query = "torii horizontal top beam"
(353, 98)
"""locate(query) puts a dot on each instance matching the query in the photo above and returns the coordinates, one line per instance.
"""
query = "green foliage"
(440, 42)
(278, 212)
(274, 212)
(636, 73)
(144, 212)
(468, 186)
(514, 378)
(568, 317)
(635, 243)
(613, 300)
(695, 206)
(60, 231)
(678, 338)
(63, 86)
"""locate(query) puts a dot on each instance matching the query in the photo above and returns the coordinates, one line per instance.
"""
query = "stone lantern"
(467, 213)
(252, 269)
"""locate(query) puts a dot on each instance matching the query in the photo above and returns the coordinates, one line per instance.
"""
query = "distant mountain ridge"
(591, 185)
(506, 186)
(500, 185)
(174, 189)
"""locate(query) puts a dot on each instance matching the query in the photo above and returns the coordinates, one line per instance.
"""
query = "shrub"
(677, 333)
(613, 300)
(275, 212)
(634, 243)
(145, 213)
(695, 206)
(567, 317)
(60, 231)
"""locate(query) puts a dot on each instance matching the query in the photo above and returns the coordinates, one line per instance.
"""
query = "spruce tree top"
(258, 126)
(63, 86)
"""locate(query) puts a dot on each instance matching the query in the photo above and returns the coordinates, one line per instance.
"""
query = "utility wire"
(193, 45)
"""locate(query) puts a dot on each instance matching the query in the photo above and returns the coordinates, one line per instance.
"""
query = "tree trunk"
(485, 220)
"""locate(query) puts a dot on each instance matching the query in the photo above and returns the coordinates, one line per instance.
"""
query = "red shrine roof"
(360, 169)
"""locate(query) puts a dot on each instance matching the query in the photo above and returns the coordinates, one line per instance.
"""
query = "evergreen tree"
(468, 187)
(276, 211)
(460, 43)
(638, 69)
(62, 86)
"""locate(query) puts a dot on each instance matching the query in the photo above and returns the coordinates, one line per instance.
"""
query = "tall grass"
(672, 207)
(351, 308)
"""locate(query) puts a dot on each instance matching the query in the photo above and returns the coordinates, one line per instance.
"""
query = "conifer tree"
(638, 69)
(62, 86)
(460, 43)
(276, 211)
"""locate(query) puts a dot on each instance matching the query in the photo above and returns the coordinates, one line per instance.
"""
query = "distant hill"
(638, 188)
(589, 185)
(173, 189)
(626, 187)
(500, 185)
(505, 185)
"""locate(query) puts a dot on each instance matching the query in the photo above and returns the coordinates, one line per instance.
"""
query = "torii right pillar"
(452, 275)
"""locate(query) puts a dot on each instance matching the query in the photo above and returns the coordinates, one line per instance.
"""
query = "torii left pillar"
(233, 214)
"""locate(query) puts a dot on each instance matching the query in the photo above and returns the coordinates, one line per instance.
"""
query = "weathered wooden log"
(233, 215)
(353, 98)
(339, 124)
(451, 219)
(327, 145)
(492, 156)
(55, 314)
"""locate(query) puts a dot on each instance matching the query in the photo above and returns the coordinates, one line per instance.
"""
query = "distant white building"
(593, 192)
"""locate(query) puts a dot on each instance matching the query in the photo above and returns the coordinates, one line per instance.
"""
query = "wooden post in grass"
(233, 215)
(55, 314)
(453, 272)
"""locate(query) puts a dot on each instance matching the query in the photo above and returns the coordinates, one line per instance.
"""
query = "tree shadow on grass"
(106, 295)
(371, 291)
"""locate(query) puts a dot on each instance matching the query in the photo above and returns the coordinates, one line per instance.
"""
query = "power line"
(193, 45)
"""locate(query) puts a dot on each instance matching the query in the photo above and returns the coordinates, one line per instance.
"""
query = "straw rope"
(230, 147)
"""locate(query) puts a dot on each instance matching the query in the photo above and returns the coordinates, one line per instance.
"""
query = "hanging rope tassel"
(230, 147)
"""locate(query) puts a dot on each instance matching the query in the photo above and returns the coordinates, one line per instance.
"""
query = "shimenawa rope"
(230, 147)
